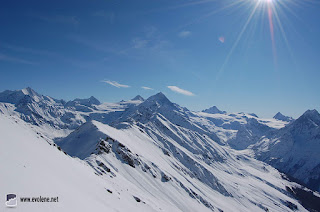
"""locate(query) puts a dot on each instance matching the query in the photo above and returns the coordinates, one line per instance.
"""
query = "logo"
(11, 200)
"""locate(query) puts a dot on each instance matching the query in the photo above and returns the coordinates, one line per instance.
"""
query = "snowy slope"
(35, 168)
(151, 153)
(207, 176)
(239, 130)
(32, 168)
(57, 118)
(295, 149)
(62, 117)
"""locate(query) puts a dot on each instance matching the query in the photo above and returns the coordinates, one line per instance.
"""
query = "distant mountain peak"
(88, 102)
(313, 112)
(281, 117)
(158, 96)
(214, 110)
(29, 91)
(253, 114)
(310, 115)
(158, 99)
(94, 100)
(278, 114)
(138, 98)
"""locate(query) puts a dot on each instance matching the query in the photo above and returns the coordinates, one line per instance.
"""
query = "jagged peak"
(159, 97)
(253, 114)
(281, 117)
(278, 114)
(310, 115)
(214, 110)
(15, 96)
(313, 112)
(89, 101)
(138, 98)
(29, 91)
(160, 94)
(94, 100)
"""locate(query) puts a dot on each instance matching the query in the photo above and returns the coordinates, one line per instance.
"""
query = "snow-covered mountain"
(56, 118)
(80, 103)
(204, 174)
(31, 167)
(138, 98)
(238, 130)
(147, 155)
(295, 149)
(282, 117)
(214, 110)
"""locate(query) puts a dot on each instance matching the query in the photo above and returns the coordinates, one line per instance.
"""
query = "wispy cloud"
(146, 88)
(7, 58)
(116, 84)
(184, 34)
(180, 90)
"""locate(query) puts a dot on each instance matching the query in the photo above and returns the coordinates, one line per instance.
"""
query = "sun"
(266, 1)
(275, 12)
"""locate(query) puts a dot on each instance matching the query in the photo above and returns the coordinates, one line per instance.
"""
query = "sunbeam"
(270, 17)
(272, 9)
(238, 39)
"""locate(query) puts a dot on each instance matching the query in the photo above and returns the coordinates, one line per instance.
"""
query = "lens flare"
(273, 11)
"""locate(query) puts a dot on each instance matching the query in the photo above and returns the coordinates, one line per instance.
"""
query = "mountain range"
(154, 155)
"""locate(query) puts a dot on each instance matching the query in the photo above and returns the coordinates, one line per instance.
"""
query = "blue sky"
(111, 49)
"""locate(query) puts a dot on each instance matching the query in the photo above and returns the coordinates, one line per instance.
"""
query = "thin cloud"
(184, 34)
(116, 84)
(180, 90)
(146, 88)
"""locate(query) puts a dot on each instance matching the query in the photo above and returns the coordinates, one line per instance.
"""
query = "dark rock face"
(306, 197)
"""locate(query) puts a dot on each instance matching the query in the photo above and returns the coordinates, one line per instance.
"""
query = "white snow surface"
(229, 180)
(31, 167)
(35, 168)
(295, 149)
(165, 156)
